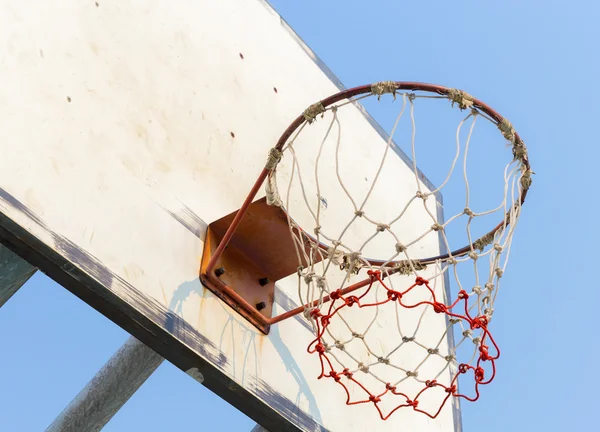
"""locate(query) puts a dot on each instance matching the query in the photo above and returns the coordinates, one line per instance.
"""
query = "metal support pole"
(14, 272)
(113, 385)
(109, 390)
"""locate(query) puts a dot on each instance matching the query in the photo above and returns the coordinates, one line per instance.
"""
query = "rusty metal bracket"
(260, 252)
(245, 254)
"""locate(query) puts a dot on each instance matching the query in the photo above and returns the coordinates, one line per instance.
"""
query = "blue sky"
(537, 62)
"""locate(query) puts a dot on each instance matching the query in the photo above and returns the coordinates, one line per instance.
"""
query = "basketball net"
(392, 342)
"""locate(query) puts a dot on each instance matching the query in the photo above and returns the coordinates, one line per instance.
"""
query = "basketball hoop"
(327, 253)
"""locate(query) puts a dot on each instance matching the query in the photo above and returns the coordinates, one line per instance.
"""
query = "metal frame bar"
(212, 281)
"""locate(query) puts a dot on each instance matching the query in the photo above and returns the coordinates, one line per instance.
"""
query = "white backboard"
(128, 127)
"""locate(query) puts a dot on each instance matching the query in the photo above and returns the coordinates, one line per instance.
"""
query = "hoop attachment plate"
(260, 253)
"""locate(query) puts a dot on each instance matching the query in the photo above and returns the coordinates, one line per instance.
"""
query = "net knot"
(479, 374)
(507, 130)
(351, 262)
(436, 227)
(463, 368)
(407, 338)
(454, 320)
(320, 348)
(359, 213)
(390, 387)
(412, 374)
(317, 229)
(412, 403)
(467, 333)
(450, 358)
(346, 372)
(473, 255)
(339, 345)
(421, 281)
(468, 212)
(336, 377)
(357, 335)
(382, 227)
(422, 195)
(272, 193)
(320, 282)
(483, 241)
(526, 179)
(308, 278)
(311, 113)
(476, 340)
(335, 255)
(479, 322)
(439, 307)
(484, 353)
(335, 295)
(462, 294)
(519, 151)
(461, 98)
(363, 368)
(477, 290)
(499, 272)
(383, 87)
(406, 267)
(433, 351)
(374, 274)
(374, 399)
(452, 261)
(394, 295)
(383, 360)
(489, 286)
(351, 301)
(430, 383)
(451, 389)
(497, 247)
(325, 320)
(273, 159)
(400, 247)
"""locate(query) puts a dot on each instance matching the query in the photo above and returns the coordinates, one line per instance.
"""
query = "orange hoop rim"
(423, 87)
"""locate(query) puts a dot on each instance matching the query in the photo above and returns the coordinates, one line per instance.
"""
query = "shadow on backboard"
(242, 334)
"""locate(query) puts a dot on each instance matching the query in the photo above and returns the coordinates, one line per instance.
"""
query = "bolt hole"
(232, 134)
(69, 99)
(97, 4)
(242, 56)
(275, 89)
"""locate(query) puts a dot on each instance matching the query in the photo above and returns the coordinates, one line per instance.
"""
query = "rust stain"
(94, 48)
(141, 132)
(162, 167)
(55, 166)
(162, 290)
(261, 341)
(31, 198)
(132, 270)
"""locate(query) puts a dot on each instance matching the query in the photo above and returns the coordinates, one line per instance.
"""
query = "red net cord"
(476, 368)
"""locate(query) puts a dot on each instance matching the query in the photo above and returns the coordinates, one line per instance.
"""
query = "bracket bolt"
(261, 305)
(264, 281)
(220, 271)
